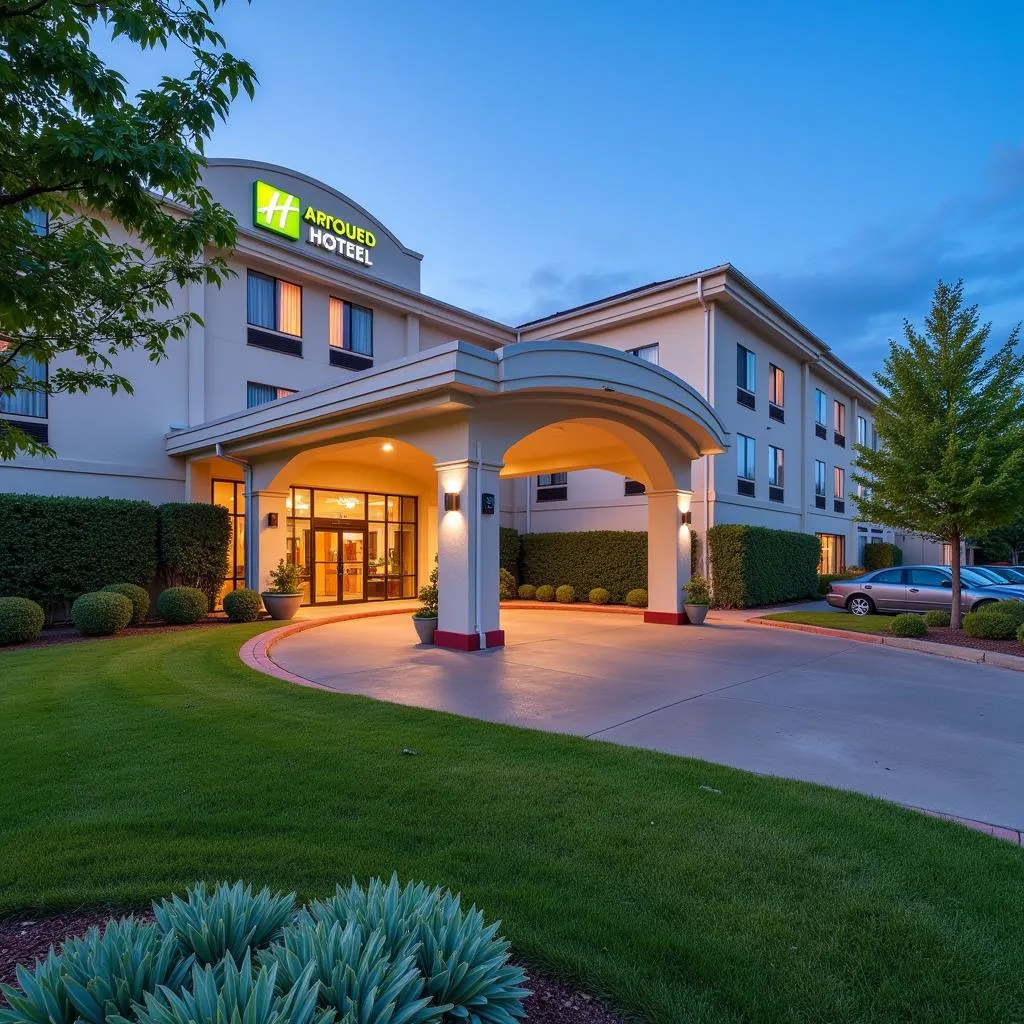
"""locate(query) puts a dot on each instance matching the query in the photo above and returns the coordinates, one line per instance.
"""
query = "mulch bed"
(958, 638)
(69, 635)
(24, 939)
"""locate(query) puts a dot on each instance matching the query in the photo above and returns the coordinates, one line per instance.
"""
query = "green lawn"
(836, 620)
(131, 767)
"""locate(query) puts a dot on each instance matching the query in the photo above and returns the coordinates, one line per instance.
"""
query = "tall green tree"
(1004, 543)
(77, 154)
(950, 463)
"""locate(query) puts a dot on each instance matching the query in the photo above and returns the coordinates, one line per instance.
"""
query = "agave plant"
(356, 975)
(465, 963)
(234, 994)
(41, 996)
(231, 919)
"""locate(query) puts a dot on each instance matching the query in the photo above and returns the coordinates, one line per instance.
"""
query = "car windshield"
(986, 574)
(975, 579)
(1009, 574)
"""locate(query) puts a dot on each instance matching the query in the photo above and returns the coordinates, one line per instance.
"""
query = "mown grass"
(836, 620)
(131, 767)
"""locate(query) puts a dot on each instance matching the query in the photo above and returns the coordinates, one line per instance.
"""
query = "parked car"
(917, 588)
(1001, 574)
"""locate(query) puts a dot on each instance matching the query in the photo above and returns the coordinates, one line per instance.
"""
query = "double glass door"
(339, 566)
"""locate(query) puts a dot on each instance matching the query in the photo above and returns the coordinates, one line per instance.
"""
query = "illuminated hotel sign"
(278, 211)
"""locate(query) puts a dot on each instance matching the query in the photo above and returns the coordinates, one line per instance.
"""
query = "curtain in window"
(261, 301)
(336, 316)
(38, 219)
(260, 394)
(289, 308)
(361, 330)
(26, 403)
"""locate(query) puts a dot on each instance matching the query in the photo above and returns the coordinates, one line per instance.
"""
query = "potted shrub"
(283, 598)
(696, 603)
(425, 618)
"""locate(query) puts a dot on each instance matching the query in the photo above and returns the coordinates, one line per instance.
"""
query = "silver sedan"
(917, 588)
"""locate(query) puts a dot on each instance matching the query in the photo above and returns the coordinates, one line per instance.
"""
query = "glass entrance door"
(353, 565)
(325, 566)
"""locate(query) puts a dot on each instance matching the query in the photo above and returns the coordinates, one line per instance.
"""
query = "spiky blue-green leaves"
(229, 920)
(40, 997)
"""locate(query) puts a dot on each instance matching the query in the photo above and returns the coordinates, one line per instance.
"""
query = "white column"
(196, 355)
(467, 557)
(265, 544)
(668, 555)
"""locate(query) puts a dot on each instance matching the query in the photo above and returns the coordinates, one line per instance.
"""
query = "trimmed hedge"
(599, 596)
(101, 613)
(909, 625)
(53, 550)
(752, 565)
(878, 555)
(508, 550)
(527, 592)
(139, 597)
(194, 539)
(545, 592)
(825, 580)
(613, 559)
(21, 620)
(990, 625)
(181, 606)
(565, 594)
(637, 598)
(937, 617)
(242, 605)
(1011, 609)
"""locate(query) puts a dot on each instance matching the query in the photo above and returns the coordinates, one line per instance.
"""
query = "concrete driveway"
(937, 734)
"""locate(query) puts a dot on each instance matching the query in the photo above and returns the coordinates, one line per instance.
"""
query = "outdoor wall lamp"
(687, 518)
(272, 520)
(451, 501)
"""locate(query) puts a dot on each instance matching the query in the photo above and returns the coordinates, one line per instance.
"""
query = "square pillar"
(265, 545)
(668, 555)
(467, 557)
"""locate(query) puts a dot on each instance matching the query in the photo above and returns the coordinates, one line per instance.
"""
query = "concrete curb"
(968, 654)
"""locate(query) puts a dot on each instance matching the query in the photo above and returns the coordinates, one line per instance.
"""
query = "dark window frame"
(249, 384)
(250, 273)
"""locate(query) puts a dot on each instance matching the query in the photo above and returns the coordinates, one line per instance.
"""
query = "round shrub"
(637, 598)
(506, 585)
(138, 596)
(181, 606)
(908, 624)
(101, 613)
(599, 596)
(990, 625)
(21, 620)
(527, 592)
(242, 605)
(545, 593)
(1011, 609)
(936, 617)
(1020, 635)
(565, 594)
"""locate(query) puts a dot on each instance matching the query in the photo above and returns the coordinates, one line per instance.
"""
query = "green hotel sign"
(278, 211)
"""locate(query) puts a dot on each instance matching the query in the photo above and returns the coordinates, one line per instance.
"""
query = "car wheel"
(860, 605)
(978, 605)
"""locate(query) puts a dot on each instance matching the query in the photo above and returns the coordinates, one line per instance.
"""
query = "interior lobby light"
(451, 501)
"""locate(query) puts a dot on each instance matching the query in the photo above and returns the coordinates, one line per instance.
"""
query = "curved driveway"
(921, 730)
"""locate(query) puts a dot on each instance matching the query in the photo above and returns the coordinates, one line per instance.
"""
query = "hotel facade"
(360, 428)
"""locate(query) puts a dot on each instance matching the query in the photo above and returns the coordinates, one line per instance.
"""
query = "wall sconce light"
(387, 446)
(451, 501)
(272, 520)
(687, 518)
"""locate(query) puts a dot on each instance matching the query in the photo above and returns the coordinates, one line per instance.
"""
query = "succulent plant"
(41, 996)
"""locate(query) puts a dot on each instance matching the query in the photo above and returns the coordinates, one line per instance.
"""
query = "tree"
(1004, 543)
(78, 154)
(950, 463)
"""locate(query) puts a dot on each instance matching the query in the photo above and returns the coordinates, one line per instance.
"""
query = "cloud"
(552, 290)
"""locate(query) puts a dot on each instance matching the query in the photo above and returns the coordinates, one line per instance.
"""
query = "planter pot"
(282, 606)
(695, 613)
(424, 628)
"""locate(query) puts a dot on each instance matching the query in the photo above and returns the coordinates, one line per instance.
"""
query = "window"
(39, 220)
(776, 385)
(819, 483)
(633, 487)
(351, 328)
(25, 401)
(776, 480)
(260, 394)
(274, 305)
(833, 553)
(839, 489)
(862, 431)
(918, 577)
(874, 438)
(231, 495)
(746, 376)
(889, 576)
(648, 353)
(839, 422)
(552, 486)
(820, 406)
(745, 464)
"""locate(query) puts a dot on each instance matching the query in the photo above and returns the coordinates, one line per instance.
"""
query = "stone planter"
(696, 613)
(425, 628)
(281, 606)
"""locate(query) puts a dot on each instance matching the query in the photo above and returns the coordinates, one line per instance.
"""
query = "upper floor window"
(25, 401)
(819, 478)
(862, 431)
(746, 369)
(260, 394)
(351, 327)
(39, 220)
(874, 438)
(776, 385)
(820, 408)
(746, 462)
(274, 305)
(552, 486)
(648, 353)
(775, 468)
(839, 422)
(839, 482)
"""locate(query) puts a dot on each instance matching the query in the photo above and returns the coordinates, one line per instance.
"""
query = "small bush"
(545, 593)
(181, 606)
(1020, 635)
(909, 625)
(990, 625)
(697, 591)
(565, 594)
(21, 620)
(285, 579)
(242, 605)
(506, 585)
(599, 596)
(139, 597)
(527, 592)
(881, 556)
(1011, 609)
(936, 617)
(637, 598)
(101, 613)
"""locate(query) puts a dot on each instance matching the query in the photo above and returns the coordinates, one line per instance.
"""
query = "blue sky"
(843, 155)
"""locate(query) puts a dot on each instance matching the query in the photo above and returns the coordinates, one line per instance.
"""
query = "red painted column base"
(468, 641)
(666, 618)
